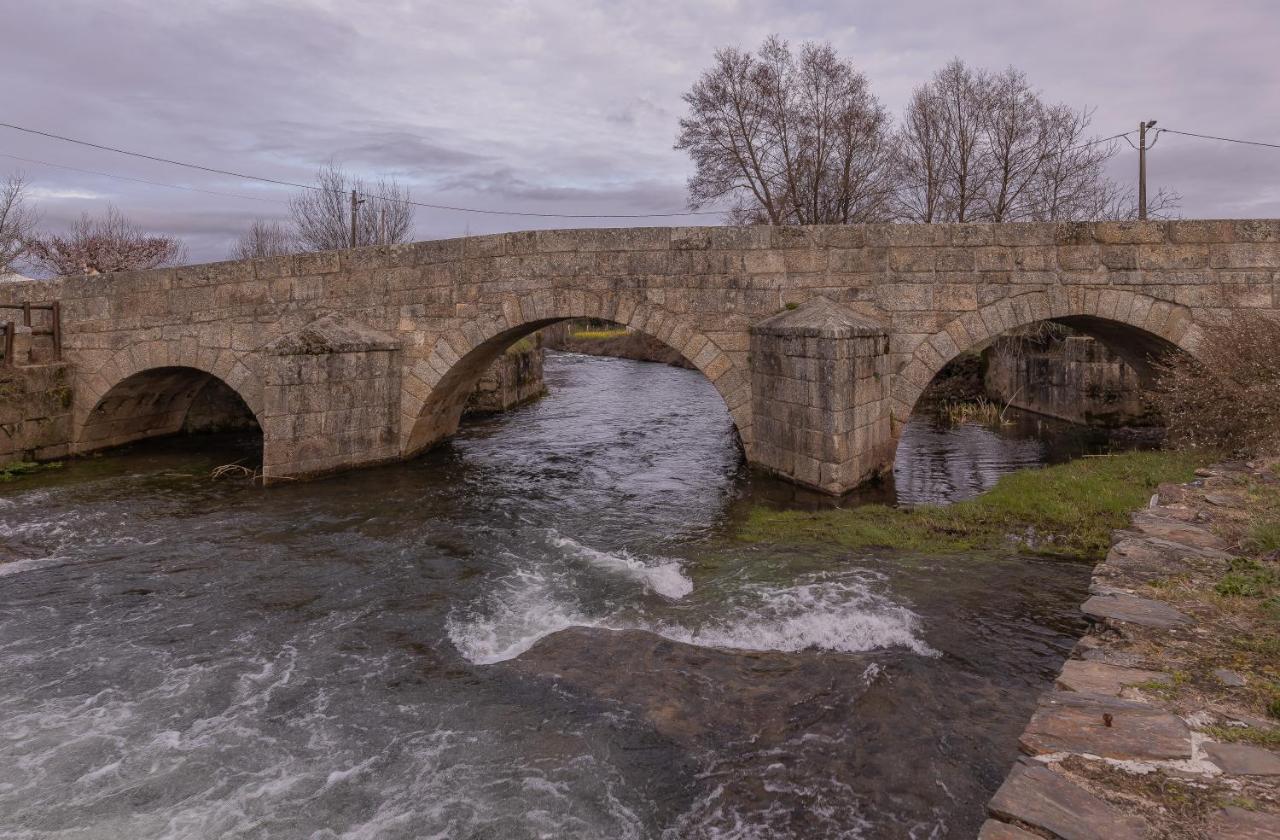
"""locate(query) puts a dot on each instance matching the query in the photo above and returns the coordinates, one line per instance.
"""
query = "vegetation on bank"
(598, 334)
(9, 472)
(1239, 608)
(1068, 509)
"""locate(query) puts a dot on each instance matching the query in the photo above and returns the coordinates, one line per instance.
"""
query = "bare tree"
(17, 223)
(919, 159)
(791, 140)
(103, 245)
(1017, 133)
(980, 147)
(322, 216)
(963, 96)
(263, 239)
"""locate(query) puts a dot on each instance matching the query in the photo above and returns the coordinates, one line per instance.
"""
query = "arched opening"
(1041, 392)
(164, 401)
(442, 410)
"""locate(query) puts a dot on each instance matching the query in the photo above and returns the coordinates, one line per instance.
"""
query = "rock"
(1233, 823)
(1243, 760)
(1221, 499)
(1134, 610)
(992, 830)
(1143, 559)
(1103, 678)
(1113, 657)
(1071, 722)
(1175, 531)
(1043, 799)
(1173, 494)
(1228, 677)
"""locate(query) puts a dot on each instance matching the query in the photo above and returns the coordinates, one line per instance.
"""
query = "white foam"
(840, 615)
(664, 576)
(521, 609)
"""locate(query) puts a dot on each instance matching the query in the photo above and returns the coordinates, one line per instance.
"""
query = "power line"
(278, 182)
(1124, 134)
(140, 180)
(1223, 139)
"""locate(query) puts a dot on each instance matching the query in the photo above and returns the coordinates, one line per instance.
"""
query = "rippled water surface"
(542, 629)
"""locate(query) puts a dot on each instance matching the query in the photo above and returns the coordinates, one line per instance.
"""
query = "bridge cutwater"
(819, 339)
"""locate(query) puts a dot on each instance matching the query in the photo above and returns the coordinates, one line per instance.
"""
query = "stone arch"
(1145, 323)
(169, 375)
(436, 384)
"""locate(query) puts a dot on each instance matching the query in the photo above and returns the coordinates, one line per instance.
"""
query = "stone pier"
(820, 390)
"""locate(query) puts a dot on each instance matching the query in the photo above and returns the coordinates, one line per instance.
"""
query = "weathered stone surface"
(1102, 678)
(1176, 531)
(1234, 823)
(1228, 677)
(1243, 759)
(35, 412)
(1041, 798)
(1134, 610)
(995, 830)
(819, 374)
(1072, 722)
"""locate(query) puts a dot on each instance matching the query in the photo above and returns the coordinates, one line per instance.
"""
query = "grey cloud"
(568, 105)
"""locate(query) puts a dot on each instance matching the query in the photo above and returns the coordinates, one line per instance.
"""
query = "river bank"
(1165, 721)
(1064, 510)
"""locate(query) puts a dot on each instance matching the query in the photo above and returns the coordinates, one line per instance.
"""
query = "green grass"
(1264, 536)
(1248, 579)
(1069, 509)
(1244, 735)
(9, 472)
(597, 335)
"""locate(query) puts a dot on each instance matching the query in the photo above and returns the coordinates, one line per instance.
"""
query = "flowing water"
(541, 629)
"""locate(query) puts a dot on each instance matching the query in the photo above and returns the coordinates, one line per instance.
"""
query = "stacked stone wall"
(513, 379)
(1077, 379)
(35, 412)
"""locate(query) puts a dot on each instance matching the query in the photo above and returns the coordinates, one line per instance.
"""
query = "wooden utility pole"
(1142, 168)
(356, 201)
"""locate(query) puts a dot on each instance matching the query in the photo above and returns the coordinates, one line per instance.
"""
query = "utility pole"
(382, 225)
(356, 201)
(1142, 168)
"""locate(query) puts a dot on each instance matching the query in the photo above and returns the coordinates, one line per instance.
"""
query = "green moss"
(1069, 509)
(9, 472)
(1244, 735)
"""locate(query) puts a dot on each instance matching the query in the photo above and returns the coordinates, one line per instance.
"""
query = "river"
(541, 629)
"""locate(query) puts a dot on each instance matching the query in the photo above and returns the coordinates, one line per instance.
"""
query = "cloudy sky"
(565, 106)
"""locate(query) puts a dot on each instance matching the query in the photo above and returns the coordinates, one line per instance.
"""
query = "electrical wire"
(278, 182)
(1223, 139)
(140, 180)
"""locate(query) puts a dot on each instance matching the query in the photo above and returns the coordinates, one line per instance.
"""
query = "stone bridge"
(819, 339)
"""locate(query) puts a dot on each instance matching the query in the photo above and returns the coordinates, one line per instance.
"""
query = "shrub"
(1228, 398)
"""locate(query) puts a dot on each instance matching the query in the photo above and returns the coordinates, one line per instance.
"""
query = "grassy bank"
(12, 471)
(1068, 509)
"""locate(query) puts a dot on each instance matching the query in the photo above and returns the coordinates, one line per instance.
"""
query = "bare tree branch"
(103, 245)
(322, 217)
(263, 239)
(790, 140)
(17, 223)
